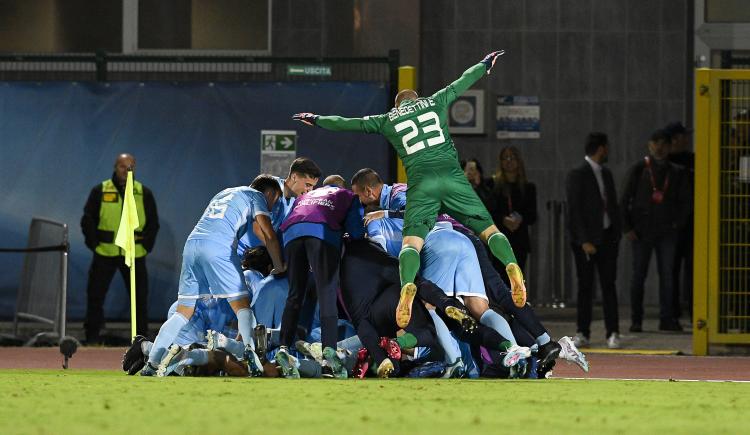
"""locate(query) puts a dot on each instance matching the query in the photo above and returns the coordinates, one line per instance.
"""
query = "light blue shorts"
(209, 313)
(450, 261)
(210, 268)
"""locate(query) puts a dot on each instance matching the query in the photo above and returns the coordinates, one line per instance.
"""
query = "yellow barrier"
(721, 277)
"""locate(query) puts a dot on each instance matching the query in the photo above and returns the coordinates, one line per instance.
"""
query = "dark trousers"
(664, 246)
(683, 268)
(371, 288)
(382, 323)
(100, 277)
(304, 254)
(604, 262)
(498, 291)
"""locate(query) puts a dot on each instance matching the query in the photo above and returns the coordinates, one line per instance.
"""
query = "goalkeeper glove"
(307, 118)
(489, 60)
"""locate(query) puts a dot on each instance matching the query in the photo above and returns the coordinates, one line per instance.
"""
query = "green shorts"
(433, 191)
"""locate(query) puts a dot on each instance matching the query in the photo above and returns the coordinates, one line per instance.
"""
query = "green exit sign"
(278, 140)
(308, 70)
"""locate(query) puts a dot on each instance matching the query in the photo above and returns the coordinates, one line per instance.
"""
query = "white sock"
(245, 324)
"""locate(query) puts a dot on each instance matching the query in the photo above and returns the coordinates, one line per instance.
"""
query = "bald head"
(406, 94)
(123, 162)
(335, 180)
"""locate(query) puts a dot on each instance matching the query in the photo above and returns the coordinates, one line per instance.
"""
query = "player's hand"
(631, 235)
(279, 270)
(308, 118)
(511, 223)
(588, 248)
(490, 59)
(373, 216)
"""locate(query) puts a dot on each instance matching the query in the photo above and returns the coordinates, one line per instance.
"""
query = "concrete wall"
(618, 66)
(346, 28)
(60, 26)
(28, 26)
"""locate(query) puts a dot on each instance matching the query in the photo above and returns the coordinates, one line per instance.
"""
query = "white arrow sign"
(287, 143)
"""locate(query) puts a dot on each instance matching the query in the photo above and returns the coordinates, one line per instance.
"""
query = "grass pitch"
(88, 402)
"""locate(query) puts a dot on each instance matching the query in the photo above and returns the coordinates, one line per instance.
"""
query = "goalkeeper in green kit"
(417, 127)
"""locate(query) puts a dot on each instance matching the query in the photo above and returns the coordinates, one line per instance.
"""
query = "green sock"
(407, 341)
(408, 264)
(505, 345)
(500, 247)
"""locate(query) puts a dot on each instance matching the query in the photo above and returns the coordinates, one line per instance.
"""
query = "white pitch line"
(658, 380)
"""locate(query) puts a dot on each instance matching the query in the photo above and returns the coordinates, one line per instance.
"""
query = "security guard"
(100, 221)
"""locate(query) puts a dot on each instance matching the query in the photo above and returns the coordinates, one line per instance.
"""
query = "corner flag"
(126, 240)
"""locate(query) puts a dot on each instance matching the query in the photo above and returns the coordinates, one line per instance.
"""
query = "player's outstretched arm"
(468, 78)
(368, 124)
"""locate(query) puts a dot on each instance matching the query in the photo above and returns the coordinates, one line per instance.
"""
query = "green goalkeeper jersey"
(417, 129)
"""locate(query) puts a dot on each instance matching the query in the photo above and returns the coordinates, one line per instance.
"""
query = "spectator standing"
(100, 221)
(655, 207)
(594, 226)
(680, 153)
(482, 186)
(516, 203)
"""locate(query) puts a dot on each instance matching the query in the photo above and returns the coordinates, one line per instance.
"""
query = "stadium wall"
(190, 140)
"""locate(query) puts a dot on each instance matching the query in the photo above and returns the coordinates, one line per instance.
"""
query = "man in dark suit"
(594, 226)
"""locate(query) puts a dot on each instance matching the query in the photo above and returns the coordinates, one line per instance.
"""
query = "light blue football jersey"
(229, 214)
(279, 212)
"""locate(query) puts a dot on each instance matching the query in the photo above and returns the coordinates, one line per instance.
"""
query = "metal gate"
(722, 209)
(42, 292)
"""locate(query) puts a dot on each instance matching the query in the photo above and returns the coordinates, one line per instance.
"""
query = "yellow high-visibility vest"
(109, 219)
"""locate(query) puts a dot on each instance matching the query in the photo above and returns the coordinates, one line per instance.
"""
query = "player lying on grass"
(213, 315)
(198, 352)
(391, 200)
(418, 130)
(210, 313)
(289, 365)
(211, 266)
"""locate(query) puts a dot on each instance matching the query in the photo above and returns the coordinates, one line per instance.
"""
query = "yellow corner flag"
(126, 240)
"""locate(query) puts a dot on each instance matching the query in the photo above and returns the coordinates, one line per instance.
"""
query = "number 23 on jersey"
(429, 122)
